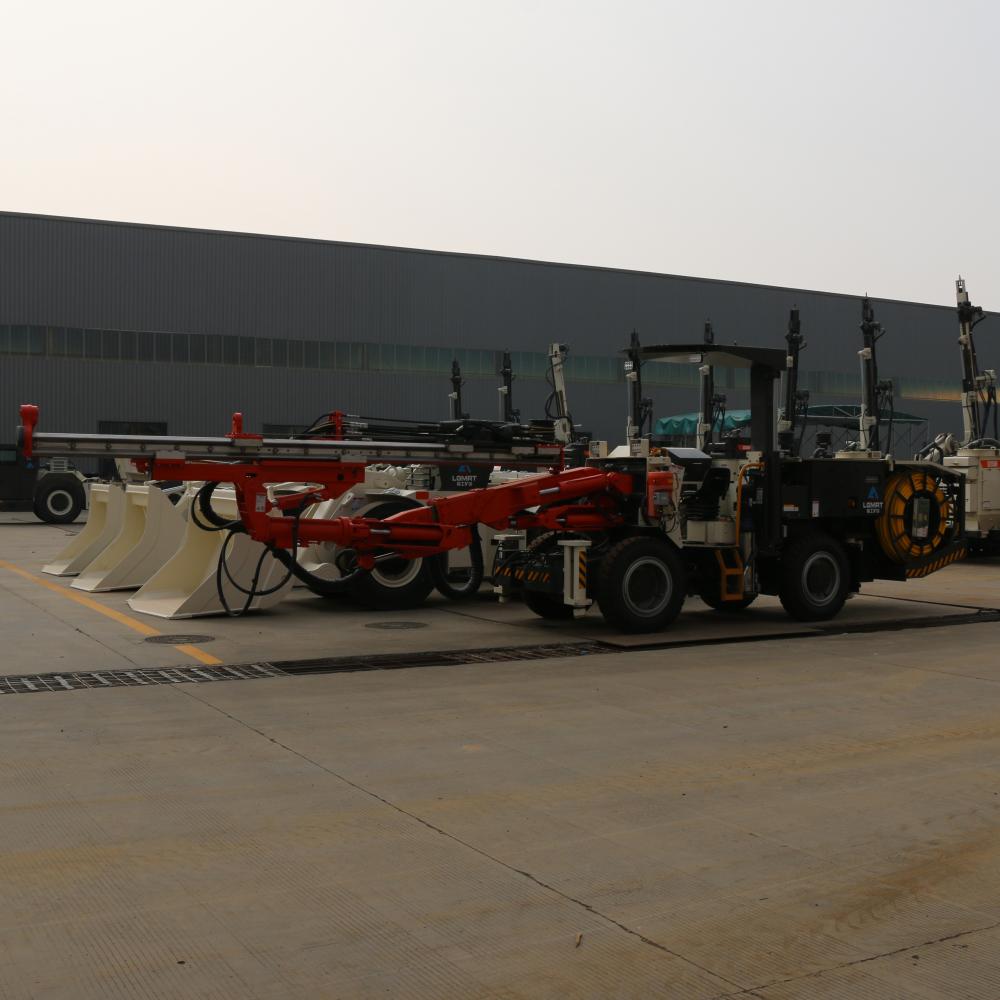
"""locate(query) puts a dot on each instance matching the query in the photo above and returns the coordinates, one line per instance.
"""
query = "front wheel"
(815, 578)
(395, 583)
(59, 499)
(642, 584)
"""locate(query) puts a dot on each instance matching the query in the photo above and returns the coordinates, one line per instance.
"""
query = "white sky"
(846, 146)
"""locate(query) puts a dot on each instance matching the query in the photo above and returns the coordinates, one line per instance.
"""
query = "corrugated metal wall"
(123, 277)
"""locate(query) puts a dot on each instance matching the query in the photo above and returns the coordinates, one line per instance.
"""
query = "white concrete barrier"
(151, 532)
(107, 503)
(185, 586)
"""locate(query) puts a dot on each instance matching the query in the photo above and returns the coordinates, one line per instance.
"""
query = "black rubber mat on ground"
(551, 651)
(440, 658)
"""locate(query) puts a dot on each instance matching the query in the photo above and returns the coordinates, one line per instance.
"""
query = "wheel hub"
(59, 502)
(397, 572)
(820, 578)
(647, 587)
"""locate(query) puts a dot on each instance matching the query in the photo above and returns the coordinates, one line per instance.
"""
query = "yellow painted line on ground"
(198, 654)
(127, 620)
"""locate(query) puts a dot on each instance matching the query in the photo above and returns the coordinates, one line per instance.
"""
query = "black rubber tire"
(642, 584)
(469, 588)
(548, 606)
(372, 590)
(815, 578)
(59, 499)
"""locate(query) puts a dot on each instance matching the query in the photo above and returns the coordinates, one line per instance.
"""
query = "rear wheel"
(395, 583)
(815, 578)
(59, 499)
(642, 584)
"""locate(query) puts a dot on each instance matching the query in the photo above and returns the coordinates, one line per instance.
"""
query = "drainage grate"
(77, 681)
(179, 640)
(396, 625)
(80, 680)
(440, 658)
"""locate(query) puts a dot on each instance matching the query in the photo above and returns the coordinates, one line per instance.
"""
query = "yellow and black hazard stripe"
(581, 569)
(953, 556)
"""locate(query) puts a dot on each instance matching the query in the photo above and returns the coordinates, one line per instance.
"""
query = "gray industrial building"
(118, 327)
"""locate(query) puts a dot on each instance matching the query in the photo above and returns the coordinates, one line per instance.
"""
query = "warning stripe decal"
(919, 571)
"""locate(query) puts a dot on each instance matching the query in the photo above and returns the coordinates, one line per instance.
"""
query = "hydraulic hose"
(206, 518)
(253, 592)
(897, 526)
(317, 584)
(438, 567)
(203, 503)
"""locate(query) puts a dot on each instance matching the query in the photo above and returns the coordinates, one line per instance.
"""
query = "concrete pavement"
(794, 817)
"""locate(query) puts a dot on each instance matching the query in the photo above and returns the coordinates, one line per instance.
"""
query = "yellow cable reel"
(915, 515)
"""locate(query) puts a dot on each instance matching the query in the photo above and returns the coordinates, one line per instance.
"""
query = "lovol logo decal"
(873, 502)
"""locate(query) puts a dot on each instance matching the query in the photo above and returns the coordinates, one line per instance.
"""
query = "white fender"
(104, 521)
(185, 586)
(152, 531)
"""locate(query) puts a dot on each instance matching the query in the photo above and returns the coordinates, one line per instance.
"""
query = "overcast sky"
(845, 146)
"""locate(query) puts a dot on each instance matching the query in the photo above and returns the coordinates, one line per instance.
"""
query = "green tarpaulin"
(686, 424)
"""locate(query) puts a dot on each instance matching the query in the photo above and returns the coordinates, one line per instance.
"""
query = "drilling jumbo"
(977, 455)
(635, 529)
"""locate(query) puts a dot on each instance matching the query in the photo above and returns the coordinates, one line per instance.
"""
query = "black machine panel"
(832, 488)
(693, 461)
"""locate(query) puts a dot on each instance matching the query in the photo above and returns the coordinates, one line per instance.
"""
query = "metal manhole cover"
(178, 640)
(396, 625)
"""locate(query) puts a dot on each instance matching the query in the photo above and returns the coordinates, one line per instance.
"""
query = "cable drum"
(915, 516)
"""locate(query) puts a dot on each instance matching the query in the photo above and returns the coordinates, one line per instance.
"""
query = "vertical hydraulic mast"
(794, 400)
(712, 404)
(456, 411)
(506, 392)
(640, 409)
(979, 389)
(562, 426)
(868, 423)
(707, 377)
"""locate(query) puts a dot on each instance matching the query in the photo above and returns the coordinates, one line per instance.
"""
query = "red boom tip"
(26, 432)
(236, 431)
